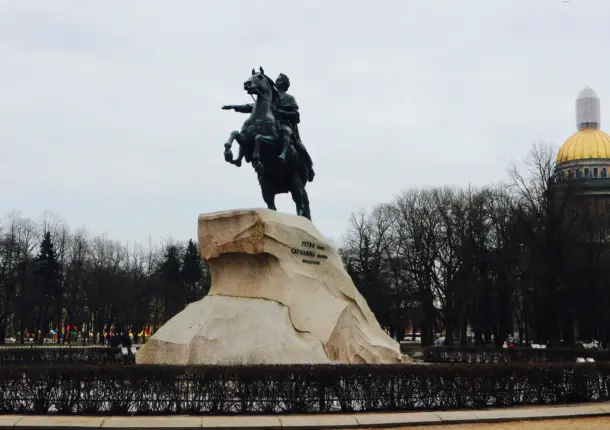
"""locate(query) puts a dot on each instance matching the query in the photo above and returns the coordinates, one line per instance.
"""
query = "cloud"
(110, 111)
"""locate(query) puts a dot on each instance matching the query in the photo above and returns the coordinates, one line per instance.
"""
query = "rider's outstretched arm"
(243, 108)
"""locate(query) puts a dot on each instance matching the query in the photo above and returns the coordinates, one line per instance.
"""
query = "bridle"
(273, 108)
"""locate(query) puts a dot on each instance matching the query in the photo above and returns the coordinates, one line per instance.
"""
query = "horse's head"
(259, 83)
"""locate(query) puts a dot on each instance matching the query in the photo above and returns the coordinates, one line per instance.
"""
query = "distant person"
(115, 341)
(126, 341)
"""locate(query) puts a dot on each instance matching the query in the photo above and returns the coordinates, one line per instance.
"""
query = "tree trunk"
(568, 330)
(427, 324)
(463, 333)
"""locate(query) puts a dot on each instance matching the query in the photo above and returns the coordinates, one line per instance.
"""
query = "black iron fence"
(447, 354)
(205, 390)
(66, 355)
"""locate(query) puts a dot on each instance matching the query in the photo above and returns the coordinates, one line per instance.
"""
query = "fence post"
(322, 395)
(178, 393)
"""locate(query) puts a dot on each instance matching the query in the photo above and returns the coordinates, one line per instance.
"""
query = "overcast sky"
(110, 110)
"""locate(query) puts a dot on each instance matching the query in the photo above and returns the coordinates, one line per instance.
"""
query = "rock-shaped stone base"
(280, 295)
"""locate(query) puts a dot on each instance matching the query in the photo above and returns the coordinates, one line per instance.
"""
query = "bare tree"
(417, 225)
(17, 244)
(364, 253)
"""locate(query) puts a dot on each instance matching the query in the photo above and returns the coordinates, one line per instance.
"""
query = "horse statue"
(260, 143)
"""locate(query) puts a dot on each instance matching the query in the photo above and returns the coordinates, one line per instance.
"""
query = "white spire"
(587, 109)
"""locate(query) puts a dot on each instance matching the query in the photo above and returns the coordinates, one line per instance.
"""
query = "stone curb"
(329, 421)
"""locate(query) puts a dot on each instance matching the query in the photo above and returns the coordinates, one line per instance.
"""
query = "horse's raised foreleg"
(241, 140)
(228, 153)
(259, 139)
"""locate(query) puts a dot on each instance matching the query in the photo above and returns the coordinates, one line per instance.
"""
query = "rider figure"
(288, 115)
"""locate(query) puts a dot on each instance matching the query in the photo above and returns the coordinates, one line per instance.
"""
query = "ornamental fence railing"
(209, 390)
(72, 355)
(448, 354)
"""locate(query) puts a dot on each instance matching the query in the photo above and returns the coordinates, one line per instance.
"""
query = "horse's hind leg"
(306, 211)
(268, 195)
(296, 190)
(259, 139)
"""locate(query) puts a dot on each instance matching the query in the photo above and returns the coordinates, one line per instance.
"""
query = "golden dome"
(587, 143)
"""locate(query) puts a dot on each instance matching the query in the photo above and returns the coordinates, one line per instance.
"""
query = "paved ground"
(583, 416)
(601, 423)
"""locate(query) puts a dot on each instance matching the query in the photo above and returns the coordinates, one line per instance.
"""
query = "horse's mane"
(274, 94)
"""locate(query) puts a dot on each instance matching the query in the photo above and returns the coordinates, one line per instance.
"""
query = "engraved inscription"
(305, 252)
(311, 261)
(310, 250)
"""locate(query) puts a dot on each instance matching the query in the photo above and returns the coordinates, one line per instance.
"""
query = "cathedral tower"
(585, 155)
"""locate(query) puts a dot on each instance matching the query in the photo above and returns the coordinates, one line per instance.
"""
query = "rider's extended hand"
(227, 107)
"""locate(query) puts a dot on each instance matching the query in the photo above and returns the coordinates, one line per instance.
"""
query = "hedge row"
(439, 354)
(72, 355)
(153, 390)
(447, 354)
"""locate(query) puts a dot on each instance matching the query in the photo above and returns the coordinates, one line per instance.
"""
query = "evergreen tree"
(48, 282)
(194, 273)
(172, 286)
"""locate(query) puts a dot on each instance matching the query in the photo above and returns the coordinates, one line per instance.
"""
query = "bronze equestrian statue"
(270, 140)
